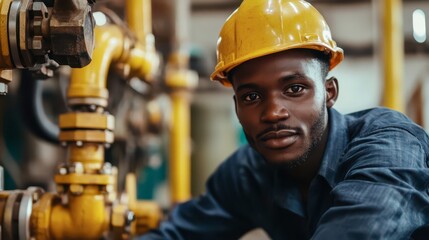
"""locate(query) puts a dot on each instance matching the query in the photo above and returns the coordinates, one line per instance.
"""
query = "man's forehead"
(294, 60)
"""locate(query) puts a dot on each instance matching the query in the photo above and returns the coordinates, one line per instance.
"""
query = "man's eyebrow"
(293, 76)
(246, 86)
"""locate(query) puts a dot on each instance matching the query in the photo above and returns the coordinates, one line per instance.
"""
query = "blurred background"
(145, 114)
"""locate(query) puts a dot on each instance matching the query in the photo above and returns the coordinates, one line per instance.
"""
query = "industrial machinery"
(40, 35)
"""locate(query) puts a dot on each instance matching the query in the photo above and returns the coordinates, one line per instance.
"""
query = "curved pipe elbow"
(144, 62)
(112, 47)
(90, 81)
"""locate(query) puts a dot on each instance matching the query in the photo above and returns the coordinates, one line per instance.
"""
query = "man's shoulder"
(380, 119)
(380, 139)
(379, 115)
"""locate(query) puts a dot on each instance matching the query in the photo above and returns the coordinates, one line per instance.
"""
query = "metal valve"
(41, 34)
(63, 32)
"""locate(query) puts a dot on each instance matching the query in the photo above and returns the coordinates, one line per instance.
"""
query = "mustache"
(275, 128)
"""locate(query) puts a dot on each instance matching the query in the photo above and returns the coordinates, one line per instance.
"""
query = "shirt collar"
(337, 142)
(286, 193)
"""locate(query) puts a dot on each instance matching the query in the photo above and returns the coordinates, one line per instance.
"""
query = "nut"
(72, 35)
(5, 76)
(129, 217)
(87, 120)
(76, 189)
(62, 171)
(107, 169)
(79, 143)
(110, 188)
(77, 168)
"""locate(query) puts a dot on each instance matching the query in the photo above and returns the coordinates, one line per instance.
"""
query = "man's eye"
(295, 89)
(251, 97)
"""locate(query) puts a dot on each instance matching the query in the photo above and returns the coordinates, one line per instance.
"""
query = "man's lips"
(277, 134)
(279, 139)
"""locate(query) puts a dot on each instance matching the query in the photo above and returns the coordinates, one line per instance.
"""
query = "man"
(308, 171)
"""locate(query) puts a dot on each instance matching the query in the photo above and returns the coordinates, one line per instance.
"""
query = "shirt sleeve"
(385, 191)
(218, 214)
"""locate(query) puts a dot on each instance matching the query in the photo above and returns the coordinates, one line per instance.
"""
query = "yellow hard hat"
(262, 27)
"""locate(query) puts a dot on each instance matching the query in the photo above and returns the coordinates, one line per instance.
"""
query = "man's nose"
(275, 111)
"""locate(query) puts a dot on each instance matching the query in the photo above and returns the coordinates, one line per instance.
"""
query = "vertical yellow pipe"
(131, 189)
(180, 175)
(139, 18)
(181, 81)
(91, 155)
(393, 55)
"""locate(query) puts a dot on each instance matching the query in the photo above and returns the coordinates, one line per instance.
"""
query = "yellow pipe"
(393, 55)
(112, 47)
(91, 155)
(84, 217)
(147, 214)
(180, 180)
(143, 63)
(139, 18)
(131, 189)
(90, 81)
(5, 58)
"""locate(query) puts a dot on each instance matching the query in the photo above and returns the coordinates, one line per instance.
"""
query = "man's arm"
(385, 192)
(218, 214)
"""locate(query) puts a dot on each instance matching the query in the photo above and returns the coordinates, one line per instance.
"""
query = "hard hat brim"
(221, 72)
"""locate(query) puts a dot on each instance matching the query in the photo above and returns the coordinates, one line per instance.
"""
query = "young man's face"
(281, 101)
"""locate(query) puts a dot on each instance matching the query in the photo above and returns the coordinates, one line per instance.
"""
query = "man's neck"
(304, 174)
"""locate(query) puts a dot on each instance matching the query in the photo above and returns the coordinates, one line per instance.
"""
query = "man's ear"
(332, 91)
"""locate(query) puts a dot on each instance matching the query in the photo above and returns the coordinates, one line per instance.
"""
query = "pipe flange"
(17, 213)
(29, 196)
(13, 29)
(5, 57)
(8, 225)
(25, 208)
(84, 136)
(99, 102)
(24, 30)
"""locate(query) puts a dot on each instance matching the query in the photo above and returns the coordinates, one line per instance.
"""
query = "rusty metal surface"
(72, 36)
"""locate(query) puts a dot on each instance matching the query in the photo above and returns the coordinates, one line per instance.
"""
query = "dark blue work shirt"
(373, 183)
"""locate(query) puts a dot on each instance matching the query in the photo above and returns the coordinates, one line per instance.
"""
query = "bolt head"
(76, 189)
(72, 37)
(78, 167)
(129, 217)
(109, 188)
(62, 171)
(107, 169)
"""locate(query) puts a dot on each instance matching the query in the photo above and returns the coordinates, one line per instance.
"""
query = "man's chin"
(285, 162)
